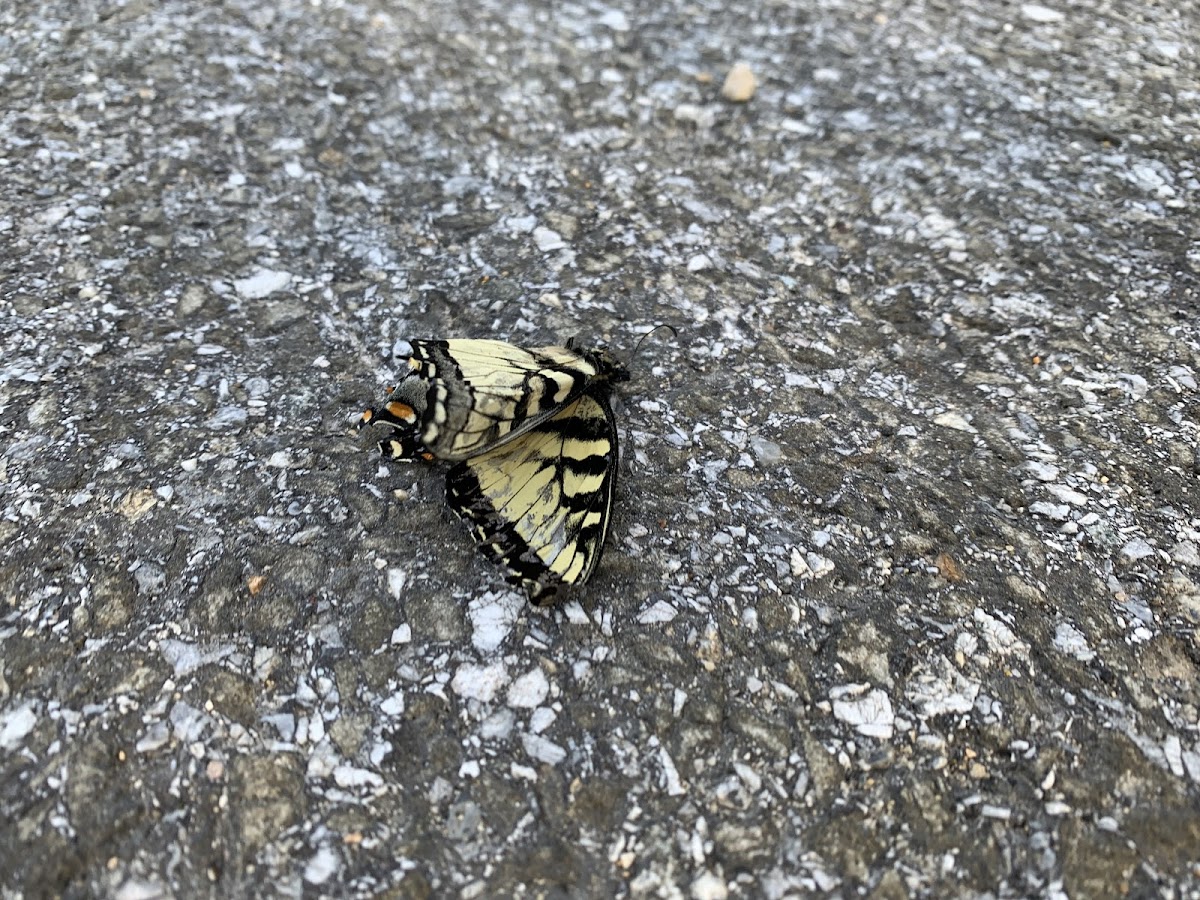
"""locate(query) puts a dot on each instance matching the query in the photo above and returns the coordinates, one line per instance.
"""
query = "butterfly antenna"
(642, 340)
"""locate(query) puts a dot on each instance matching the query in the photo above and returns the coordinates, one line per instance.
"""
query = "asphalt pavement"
(901, 593)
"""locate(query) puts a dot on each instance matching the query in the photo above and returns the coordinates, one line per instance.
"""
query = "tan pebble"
(136, 504)
(739, 84)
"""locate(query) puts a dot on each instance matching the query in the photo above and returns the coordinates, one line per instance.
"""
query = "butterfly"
(533, 440)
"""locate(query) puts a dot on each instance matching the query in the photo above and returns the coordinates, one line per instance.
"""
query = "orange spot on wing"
(401, 411)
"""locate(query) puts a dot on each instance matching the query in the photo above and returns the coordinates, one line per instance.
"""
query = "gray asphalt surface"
(901, 591)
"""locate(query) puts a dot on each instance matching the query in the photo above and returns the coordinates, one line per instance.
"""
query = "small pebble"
(739, 84)
(1035, 12)
(767, 452)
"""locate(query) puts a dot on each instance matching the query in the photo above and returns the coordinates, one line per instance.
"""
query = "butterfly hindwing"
(540, 506)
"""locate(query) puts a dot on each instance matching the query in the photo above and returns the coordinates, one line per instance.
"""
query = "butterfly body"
(533, 440)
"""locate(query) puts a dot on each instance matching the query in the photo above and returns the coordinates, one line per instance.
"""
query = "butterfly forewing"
(484, 393)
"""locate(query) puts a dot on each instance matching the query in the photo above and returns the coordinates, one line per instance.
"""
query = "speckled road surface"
(901, 596)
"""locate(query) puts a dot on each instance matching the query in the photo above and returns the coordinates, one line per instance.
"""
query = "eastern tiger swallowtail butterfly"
(533, 440)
